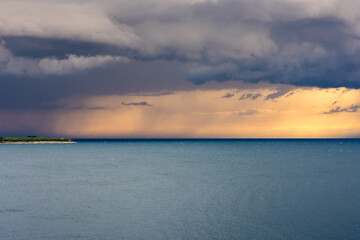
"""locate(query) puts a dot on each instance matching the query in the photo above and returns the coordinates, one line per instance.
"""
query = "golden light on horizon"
(300, 113)
(294, 113)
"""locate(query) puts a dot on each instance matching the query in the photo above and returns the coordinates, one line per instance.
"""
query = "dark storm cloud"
(352, 109)
(44, 92)
(137, 78)
(117, 47)
(35, 47)
(23, 123)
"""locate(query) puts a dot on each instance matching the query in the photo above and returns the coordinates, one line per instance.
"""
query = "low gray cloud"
(352, 109)
(251, 96)
(137, 104)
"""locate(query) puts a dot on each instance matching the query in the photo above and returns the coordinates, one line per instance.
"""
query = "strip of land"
(34, 139)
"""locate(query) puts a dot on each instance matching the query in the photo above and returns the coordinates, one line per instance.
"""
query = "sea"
(102, 189)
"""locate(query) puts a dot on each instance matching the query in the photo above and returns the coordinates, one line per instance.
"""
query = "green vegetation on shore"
(32, 139)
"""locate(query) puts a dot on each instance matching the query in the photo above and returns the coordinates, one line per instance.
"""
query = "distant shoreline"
(33, 139)
(35, 142)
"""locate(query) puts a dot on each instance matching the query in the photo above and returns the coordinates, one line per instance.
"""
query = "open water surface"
(181, 189)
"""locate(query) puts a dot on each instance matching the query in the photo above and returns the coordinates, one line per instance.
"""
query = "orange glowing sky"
(298, 113)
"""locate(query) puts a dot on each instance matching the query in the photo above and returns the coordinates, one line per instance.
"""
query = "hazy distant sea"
(199, 189)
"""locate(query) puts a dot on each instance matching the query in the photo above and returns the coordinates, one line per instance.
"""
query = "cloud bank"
(296, 42)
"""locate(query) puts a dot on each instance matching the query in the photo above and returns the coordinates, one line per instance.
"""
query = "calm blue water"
(247, 189)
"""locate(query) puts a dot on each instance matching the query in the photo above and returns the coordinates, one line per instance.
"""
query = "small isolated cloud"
(248, 112)
(352, 109)
(279, 93)
(228, 95)
(251, 96)
(137, 104)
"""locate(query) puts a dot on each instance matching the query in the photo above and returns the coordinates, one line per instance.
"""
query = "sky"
(180, 68)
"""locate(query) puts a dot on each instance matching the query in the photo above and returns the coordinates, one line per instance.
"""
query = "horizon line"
(172, 138)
